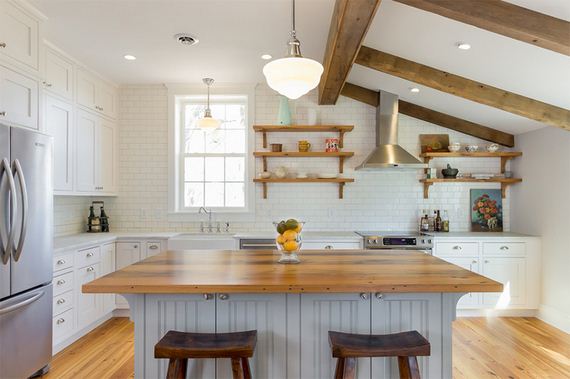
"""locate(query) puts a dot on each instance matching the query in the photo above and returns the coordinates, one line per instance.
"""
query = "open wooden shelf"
(341, 129)
(505, 182)
(504, 155)
(341, 155)
(340, 181)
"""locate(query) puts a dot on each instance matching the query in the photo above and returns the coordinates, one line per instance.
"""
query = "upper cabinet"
(58, 75)
(18, 99)
(19, 35)
(95, 95)
(59, 124)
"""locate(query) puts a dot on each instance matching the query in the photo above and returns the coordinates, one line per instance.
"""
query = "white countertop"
(480, 235)
(307, 235)
(79, 241)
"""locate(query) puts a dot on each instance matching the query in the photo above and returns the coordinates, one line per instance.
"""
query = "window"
(212, 165)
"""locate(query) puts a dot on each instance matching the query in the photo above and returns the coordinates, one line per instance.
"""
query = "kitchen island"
(293, 306)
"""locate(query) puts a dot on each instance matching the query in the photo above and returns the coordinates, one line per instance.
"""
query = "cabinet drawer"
(61, 262)
(62, 325)
(62, 303)
(153, 248)
(502, 249)
(456, 249)
(62, 283)
(330, 245)
(88, 256)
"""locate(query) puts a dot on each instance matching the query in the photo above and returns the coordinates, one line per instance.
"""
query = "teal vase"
(284, 116)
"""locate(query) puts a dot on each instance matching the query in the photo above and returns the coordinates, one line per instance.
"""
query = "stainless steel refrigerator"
(26, 248)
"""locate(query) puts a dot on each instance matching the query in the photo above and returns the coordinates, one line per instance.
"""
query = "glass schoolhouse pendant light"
(293, 76)
(208, 122)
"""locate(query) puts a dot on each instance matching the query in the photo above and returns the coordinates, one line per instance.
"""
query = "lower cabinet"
(107, 267)
(87, 304)
(323, 312)
(472, 299)
(268, 315)
(510, 272)
(127, 253)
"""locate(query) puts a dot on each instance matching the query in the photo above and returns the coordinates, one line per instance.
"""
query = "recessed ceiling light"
(414, 90)
(463, 46)
(130, 57)
(266, 57)
(186, 39)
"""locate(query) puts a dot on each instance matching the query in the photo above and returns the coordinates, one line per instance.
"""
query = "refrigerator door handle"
(17, 249)
(21, 304)
(5, 250)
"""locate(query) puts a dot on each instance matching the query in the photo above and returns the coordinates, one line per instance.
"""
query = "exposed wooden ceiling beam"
(371, 97)
(349, 24)
(463, 87)
(503, 18)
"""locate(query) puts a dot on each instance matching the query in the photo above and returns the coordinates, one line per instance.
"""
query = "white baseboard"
(126, 312)
(554, 317)
(497, 312)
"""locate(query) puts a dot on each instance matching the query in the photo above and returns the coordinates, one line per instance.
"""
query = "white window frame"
(177, 95)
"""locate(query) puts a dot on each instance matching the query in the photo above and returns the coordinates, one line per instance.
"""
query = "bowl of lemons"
(289, 240)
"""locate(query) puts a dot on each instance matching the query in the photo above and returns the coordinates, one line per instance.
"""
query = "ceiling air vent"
(186, 39)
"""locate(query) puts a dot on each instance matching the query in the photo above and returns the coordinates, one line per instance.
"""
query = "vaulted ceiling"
(233, 35)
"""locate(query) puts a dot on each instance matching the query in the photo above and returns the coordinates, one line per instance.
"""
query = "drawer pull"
(364, 296)
(208, 296)
(60, 321)
(153, 247)
(88, 255)
(61, 301)
(328, 247)
(3, 45)
(379, 296)
(457, 247)
(60, 282)
(504, 248)
(224, 296)
(135, 246)
(89, 269)
(61, 262)
(486, 261)
(2, 113)
(473, 262)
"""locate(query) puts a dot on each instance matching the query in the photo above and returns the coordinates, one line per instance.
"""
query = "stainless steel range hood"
(388, 154)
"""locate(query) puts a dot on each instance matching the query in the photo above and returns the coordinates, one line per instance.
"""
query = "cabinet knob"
(223, 296)
(504, 248)
(379, 296)
(61, 262)
(60, 321)
(208, 296)
(60, 282)
(2, 45)
(328, 247)
(135, 246)
(61, 301)
(457, 247)
(153, 247)
(474, 262)
(89, 255)
(364, 296)
(89, 269)
(2, 113)
(486, 261)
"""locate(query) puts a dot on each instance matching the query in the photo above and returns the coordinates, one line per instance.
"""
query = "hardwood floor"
(482, 348)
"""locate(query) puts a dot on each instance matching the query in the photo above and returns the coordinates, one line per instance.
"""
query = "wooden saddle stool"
(181, 346)
(406, 346)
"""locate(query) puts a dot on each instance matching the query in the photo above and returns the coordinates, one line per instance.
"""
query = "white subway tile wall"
(70, 214)
(387, 200)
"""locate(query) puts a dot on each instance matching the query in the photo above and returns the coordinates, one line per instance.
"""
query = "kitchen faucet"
(209, 213)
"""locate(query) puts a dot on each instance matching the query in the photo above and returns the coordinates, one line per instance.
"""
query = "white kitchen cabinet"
(265, 313)
(95, 154)
(18, 99)
(153, 248)
(472, 299)
(318, 245)
(95, 95)
(323, 312)
(107, 267)
(86, 130)
(59, 124)
(126, 254)
(510, 272)
(19, 35)
(88, 305)
(58, 75)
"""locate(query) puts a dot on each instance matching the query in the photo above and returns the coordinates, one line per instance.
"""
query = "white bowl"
(327, 176)
(492, 148)
(471, 148)
(454, 147)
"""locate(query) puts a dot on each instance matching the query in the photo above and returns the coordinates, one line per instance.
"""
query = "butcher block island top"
(320, 271)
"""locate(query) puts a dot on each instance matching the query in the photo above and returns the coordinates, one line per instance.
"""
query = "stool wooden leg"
(338, 372)
(349, 371)
(409, 368)
(236, 369)
(246, 369)
(177, 369)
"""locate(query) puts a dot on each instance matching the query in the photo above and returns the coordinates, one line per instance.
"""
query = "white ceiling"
(233, 34)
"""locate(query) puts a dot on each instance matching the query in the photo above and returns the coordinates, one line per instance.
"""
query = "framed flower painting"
(486, 210)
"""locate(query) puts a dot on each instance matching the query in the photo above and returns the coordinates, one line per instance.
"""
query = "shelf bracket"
(426, 189)
(265, 190)
(340, 165)
(504, 161)
(504, 190)
(264, 159)
(264, 140)
(341, 190)
(341, 139)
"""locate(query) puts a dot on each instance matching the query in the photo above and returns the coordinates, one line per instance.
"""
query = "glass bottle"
(104, 221)
(445, 222)
(438, 222)
(90, 219)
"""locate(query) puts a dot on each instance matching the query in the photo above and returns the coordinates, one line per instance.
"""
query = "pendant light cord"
(293, 32)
